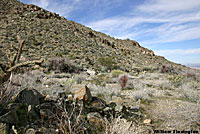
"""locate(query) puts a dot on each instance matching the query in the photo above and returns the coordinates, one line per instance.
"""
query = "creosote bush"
(116, 73)
(108, 62)
(193, 75)
(62, 64)
(167, 69)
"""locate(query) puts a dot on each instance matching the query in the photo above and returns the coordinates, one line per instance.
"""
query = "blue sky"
(171, 28)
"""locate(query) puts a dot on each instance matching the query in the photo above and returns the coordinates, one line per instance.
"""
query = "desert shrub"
(28, 79)
(99, 79)
(194, 85)
(191, 74)
(177, 80)
(167, 69)
(107, 62)
(147, 69)
(190, 96)
(6, 93)
(140, 95)
(116, 73)
(61, 64)
(123, 79)
(122, 126)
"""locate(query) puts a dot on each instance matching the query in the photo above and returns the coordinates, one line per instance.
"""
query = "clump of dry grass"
(122, 126)
(6, 93)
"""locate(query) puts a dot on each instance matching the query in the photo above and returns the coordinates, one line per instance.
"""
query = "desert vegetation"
(60, 77)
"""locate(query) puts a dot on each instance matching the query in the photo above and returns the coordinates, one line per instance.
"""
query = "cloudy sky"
(170, 28)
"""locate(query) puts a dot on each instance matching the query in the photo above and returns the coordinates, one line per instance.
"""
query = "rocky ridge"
(47, 35)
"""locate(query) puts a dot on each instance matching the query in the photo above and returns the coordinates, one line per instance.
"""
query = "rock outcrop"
(31, 107)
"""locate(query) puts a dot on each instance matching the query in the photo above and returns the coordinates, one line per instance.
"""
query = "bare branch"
(21, 43)
(25, 64)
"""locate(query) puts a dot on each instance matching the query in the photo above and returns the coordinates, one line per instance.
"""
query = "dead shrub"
(6, 93)
(123, 79)
(62, 65)
(193, 75)
(167, 69)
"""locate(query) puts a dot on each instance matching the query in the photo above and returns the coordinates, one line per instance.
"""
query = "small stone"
(69, 97)
(118, 108)
(91, 72)
(147, 121)
(47, 98)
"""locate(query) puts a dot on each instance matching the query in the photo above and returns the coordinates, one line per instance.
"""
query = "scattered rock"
(29, 96)
(134, 108)
(91, 72)
(147, 121)
(118, 108)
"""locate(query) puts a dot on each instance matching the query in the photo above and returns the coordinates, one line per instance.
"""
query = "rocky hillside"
(60, 77)
(47, 35)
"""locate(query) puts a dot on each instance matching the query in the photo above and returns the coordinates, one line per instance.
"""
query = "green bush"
(107, 62)
(116, 73)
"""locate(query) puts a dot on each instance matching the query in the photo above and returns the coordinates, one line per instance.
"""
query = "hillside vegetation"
(60, 77)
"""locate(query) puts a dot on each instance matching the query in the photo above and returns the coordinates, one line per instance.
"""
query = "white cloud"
(178, 52)
(169, 5)
(172, 21)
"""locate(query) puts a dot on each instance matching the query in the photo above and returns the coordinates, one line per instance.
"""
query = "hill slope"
(47, 34)
(121, 87)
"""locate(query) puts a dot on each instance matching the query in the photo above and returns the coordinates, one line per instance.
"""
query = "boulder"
(83, 93)
(10, 118)
(29, 96)
(17, 114)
